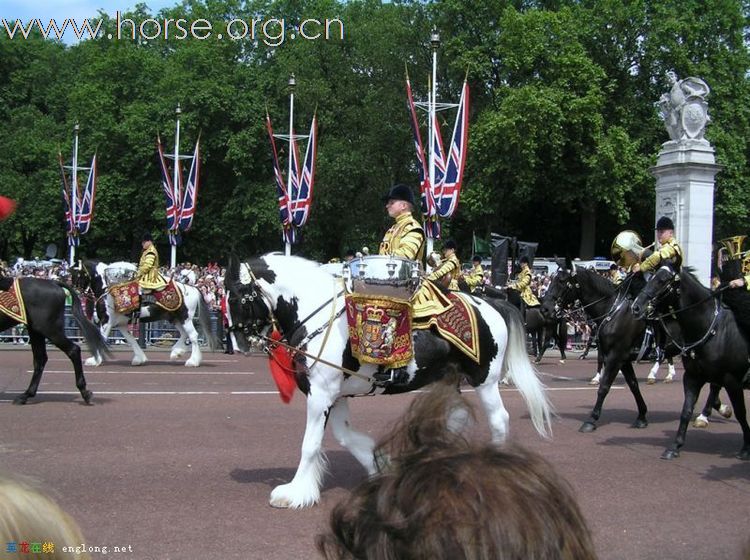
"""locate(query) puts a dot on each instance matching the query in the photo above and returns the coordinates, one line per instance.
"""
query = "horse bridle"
(672, 287)
(256, 327)
(654, 299)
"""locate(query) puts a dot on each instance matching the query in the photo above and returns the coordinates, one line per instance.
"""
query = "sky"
(75, 9)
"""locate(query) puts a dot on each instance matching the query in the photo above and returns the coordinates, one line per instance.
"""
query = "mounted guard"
(137, 291)
(381, 322)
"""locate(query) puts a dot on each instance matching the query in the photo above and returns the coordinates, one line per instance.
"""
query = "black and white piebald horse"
(91, 277)
(307, 304)
(712, 347)
(44, 301)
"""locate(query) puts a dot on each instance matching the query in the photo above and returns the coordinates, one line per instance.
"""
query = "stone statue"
(684, 108)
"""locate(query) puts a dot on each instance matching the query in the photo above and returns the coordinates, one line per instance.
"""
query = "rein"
(316, 358)
(577, 288)
(711, 331)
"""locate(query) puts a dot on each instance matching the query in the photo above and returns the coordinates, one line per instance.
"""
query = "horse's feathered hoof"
(651, 380)
(587, 427)
(87, 396)
(284, 497)
(582, 357)
(725, 410)
(700, 422)
(280, 503)
(669, 379)
(744, 454)
(21, 399)
(594, 380)
(670, 454)
(640, 423)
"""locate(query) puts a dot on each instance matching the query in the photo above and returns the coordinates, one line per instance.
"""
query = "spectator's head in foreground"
(445, 497)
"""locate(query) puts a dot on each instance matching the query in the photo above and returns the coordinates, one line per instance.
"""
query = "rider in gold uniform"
(522, 284)
(148, 276)
(447, 274)
(405, 238)
(475, 277)
(669, 249)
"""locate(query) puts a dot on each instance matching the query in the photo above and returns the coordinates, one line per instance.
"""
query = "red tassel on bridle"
(282, 370)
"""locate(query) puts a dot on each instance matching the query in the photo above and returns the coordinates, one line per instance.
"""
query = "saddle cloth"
(457, 325)
(127, 298)
(11, 303)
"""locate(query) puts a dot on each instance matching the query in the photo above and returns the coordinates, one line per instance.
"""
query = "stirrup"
(394, 376)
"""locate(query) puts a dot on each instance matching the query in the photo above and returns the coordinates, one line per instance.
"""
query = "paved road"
(178, 463)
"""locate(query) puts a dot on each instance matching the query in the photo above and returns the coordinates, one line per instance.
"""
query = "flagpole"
(74, 192)
(175, 184)
(435, 43)
(292, 84)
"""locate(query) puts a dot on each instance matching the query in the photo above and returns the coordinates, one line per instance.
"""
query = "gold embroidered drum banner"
(379, 329)
(125, 296)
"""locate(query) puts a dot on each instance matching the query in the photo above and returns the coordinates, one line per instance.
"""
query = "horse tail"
(94, 339)
(204, 319)
(522, 373)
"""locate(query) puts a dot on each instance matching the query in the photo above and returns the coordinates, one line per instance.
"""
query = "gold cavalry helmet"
(627, 248)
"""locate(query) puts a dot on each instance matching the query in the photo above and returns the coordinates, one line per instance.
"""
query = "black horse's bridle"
(672, 288)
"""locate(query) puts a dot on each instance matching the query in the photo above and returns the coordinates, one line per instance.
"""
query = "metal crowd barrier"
(158, 333)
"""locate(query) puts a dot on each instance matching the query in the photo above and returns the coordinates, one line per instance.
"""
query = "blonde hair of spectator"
(445, 496)
(29, 515)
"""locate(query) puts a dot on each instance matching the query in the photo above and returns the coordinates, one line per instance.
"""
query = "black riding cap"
(400, 192)
(147, 237)
(450, 244)
(664, 223)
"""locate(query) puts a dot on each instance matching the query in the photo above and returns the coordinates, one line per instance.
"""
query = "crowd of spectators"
(208, 279)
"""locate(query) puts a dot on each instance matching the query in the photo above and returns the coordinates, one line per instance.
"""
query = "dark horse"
(712, 346)
(542, 328)
(619, 331)
(45, 319)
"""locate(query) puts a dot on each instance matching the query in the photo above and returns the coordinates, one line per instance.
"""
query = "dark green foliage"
(563, 127)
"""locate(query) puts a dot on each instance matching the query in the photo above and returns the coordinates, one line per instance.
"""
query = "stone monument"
(685, 171)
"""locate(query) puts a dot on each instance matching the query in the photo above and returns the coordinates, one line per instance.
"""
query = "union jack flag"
(281, 192)
(302, 194)
(456, 161)
(187, 212)
(86, 209)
